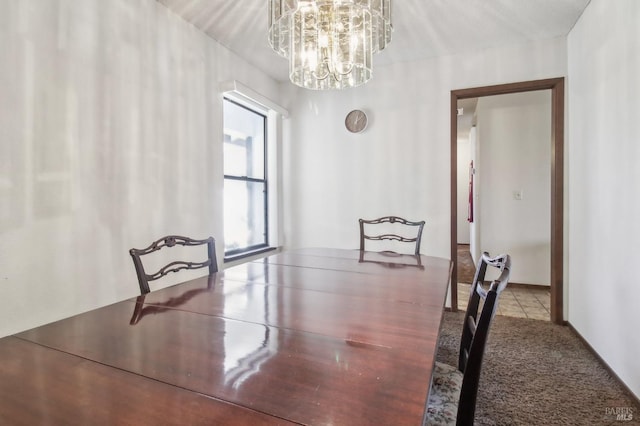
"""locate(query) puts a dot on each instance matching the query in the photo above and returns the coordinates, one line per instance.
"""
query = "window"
(245, 179)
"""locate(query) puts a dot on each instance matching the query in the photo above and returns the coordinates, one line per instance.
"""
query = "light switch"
(517, 194)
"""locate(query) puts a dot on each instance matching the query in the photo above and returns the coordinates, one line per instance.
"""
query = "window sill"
(236, 258)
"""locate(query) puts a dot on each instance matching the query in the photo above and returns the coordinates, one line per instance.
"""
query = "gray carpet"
(538, 373)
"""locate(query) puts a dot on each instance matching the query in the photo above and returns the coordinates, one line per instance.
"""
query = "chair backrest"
(166, 242)
(414, 227)
(475, 330)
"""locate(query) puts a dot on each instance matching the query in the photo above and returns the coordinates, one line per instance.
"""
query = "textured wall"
(110, 137)
(400, 163)
(604, 96)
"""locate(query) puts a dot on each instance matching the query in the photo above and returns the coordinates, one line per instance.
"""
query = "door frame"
(556, 85)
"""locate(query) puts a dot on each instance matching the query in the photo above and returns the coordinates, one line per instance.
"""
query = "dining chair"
(175, 266)
(452, 399)
(391, 227)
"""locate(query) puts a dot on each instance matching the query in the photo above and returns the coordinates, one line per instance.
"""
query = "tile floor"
(515, 302)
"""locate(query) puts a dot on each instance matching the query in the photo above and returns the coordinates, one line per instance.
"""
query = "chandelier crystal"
(329, 43)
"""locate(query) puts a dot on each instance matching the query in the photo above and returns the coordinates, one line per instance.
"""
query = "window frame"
(238, 253)
(276, 117)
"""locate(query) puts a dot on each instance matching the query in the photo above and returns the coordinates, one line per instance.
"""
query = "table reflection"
(245, 349)
(140, 310)
(392, 260)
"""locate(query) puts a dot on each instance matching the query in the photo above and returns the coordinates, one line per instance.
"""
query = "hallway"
(521, 301)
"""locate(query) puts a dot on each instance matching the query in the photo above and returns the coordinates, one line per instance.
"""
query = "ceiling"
(422, 28)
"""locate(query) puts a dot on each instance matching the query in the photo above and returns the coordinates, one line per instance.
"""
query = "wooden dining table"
(311, 336)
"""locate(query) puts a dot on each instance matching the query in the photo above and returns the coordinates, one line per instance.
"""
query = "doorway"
(556, 85)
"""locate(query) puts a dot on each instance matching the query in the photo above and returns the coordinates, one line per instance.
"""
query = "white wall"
(474, 229)
(400, 164)
(110, 137)
(464, 158)
(604, 151)
(514, 139)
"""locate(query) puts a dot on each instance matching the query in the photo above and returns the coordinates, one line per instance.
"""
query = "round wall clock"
(356, 121)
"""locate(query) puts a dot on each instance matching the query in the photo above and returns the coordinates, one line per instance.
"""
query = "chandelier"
(329, 43)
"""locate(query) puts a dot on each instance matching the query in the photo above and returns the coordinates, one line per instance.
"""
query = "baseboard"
(520, 286)
(602, 361)
(528, 286)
